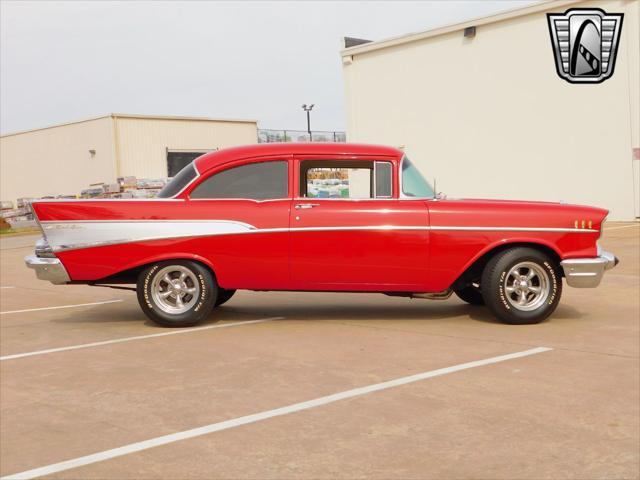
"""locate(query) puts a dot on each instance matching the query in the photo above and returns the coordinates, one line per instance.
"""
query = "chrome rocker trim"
(50, 269)
(588, 272)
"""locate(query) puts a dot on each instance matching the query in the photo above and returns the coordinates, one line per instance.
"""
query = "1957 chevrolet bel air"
(319, 217)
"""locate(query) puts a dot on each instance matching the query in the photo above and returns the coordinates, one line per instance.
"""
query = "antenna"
(435, 190)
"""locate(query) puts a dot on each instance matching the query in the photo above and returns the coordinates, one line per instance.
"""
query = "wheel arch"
(130, 273)
(474, 267)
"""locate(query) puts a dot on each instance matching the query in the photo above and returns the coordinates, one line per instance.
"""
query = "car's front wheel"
(177, 293)
(521, 285)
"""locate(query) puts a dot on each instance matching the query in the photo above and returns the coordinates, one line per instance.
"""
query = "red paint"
(417, 260)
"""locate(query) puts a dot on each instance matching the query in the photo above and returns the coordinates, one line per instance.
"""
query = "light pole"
(308, 108)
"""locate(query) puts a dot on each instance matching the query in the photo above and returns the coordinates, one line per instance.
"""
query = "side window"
(345, 179)
(257, 181)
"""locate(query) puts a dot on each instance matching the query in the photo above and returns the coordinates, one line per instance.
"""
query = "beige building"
(487, 115)
(64, 159)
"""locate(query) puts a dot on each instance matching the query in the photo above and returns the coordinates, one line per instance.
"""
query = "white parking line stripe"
(623, 226)
(256, 417)
(139, 337)
(61, 306)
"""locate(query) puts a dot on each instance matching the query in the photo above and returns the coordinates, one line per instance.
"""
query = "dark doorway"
(176, 161)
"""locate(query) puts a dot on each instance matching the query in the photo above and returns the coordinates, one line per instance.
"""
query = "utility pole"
(308, 108)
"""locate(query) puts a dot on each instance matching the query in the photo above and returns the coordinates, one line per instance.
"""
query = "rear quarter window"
(179, 182)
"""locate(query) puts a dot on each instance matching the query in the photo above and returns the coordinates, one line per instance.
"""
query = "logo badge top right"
(585, 43)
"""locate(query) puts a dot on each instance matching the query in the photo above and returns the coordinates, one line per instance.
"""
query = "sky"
(65, 61)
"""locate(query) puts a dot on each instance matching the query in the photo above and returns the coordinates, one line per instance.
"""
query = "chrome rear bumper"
(588, 272)
(50, 269)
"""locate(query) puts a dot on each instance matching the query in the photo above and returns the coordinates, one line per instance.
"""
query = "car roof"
(212, 159)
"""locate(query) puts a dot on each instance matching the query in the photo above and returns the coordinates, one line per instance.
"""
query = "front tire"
(177, 293)
(521, 286)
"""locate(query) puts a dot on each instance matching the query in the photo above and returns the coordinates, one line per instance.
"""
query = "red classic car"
(319, 217)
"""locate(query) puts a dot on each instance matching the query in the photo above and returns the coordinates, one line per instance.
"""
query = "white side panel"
(71, 235)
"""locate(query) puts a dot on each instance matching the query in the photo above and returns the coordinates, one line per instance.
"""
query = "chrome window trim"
(238, 198)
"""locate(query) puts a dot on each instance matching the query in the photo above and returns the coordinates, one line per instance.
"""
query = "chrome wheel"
(175, 289)
(527, 286)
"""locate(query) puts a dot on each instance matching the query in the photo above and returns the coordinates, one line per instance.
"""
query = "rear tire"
(177, 293)
(521, 286)
(224, 296)
(472, 295)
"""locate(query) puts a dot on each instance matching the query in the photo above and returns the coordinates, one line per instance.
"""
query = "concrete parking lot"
(90, 389)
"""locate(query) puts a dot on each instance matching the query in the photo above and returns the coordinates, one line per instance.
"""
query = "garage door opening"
(178, 159)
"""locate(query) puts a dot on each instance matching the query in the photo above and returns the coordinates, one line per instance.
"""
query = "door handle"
(304, 206)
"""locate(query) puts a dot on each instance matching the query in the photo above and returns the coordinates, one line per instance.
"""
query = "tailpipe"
(425, 296)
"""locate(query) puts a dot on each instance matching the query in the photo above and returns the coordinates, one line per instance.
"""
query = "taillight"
(43, 249)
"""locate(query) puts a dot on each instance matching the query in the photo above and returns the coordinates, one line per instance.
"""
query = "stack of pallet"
(126, 187)
(20, 216)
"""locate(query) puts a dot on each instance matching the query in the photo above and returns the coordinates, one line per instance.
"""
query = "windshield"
(413, 183)
(177, 184)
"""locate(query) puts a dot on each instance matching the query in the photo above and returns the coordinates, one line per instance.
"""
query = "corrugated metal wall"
(142, 143)
(56, 160)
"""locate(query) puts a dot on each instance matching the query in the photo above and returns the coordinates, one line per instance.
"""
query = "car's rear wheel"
(224, 296)
(177, 293)
(471, 294)
(521, 286)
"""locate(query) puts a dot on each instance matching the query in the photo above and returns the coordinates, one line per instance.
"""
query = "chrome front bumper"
(588, 272)
(48, 269)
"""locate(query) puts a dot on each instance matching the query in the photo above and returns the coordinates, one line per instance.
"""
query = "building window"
(177, 160)
(257, 181)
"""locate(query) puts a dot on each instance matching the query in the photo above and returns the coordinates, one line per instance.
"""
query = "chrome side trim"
(517, 229)
(73, 235)
(50, 269)
(364, 227)
(146, 222)
(85, 234)
(588, 272)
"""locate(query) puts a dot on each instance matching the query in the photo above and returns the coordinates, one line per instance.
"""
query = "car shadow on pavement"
(131, 313)
(341, 311)
(416, 310)
(427, 311)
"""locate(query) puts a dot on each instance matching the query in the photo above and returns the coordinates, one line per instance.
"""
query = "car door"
(247, 205)
(349, 229)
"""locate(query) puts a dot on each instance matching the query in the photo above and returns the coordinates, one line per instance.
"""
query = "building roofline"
(475, 22)
(134, 116)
